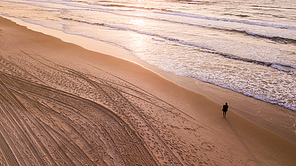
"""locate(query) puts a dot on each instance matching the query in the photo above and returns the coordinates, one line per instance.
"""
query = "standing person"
(225, 109)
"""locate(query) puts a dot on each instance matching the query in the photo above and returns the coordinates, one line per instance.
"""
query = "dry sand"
(64, 105)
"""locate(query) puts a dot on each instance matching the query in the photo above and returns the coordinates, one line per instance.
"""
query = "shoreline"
(257, 111)
(195, 121)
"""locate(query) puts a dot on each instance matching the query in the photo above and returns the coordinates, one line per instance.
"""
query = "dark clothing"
(225, 109)
(224, 113)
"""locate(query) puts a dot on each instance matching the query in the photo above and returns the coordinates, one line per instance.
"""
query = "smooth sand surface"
(64, 105)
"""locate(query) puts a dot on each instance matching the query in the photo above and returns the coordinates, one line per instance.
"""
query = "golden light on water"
(137, 22)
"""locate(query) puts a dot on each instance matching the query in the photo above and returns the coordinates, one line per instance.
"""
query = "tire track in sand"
(128, 161)
(124, 108)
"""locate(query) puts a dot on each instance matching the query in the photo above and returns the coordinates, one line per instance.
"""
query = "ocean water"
(248, 46)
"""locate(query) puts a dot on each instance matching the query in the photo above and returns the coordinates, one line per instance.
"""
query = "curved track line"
(6, 149)
(63, 93)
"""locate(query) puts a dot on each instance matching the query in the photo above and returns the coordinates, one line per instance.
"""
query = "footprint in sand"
(207, 146)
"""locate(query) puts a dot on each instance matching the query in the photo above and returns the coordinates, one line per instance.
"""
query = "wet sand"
(64, 105)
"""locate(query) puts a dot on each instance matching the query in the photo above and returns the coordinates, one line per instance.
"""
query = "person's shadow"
(254, 159)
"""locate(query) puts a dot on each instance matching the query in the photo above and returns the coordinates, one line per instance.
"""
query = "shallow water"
(243, 45)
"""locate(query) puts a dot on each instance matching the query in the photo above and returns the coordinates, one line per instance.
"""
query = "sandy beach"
(62, 104)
